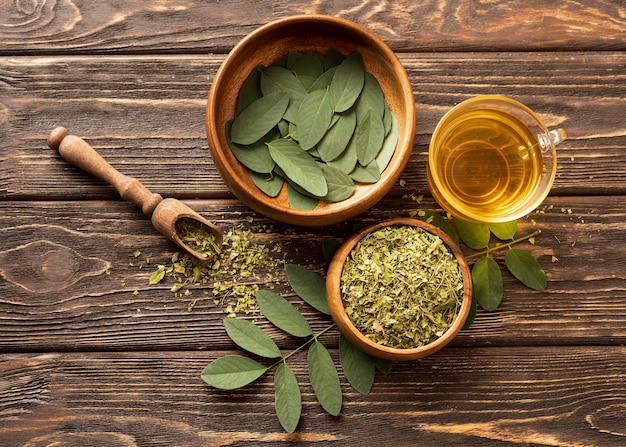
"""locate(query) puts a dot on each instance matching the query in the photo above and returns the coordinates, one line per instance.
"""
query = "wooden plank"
(146, 116)
(55, 293)
(557, 396)
(80, 26)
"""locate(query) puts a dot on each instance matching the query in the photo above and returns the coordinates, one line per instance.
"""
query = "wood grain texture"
(145, 115)
(81, 26)
(524, 396)
(54, 255)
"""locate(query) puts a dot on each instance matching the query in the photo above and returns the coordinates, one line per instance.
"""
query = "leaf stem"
(503, 245)
(313, 338)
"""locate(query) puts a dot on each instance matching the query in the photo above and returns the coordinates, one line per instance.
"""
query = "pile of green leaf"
(317, 122)
(235, 371)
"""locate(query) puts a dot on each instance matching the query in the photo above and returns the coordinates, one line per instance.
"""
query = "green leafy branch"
(236, 371)
(487, 279)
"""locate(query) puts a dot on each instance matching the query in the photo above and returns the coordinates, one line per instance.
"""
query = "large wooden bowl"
(308, 33)
(341, 319)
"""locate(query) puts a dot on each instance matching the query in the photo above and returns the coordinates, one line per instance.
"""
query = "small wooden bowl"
(308, 33)
(341, 319)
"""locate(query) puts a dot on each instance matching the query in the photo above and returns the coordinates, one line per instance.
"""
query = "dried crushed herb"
(234, 276)
(195, 235)
(402, 287)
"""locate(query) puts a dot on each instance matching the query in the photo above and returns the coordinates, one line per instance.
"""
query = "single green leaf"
(308, 67)
(323, 81)
(526, 269)
(366, 174)
(358, 367)
(308, 285)
(436, 219)
(259, 118)
(287, 398)
(340, 185)
(384, 365)
(255, 156)
(250, 91)
(505, 230)
(329, 248)
(232, 371)
(324, 379)
(487, 283)
(472, 314)
(334, 57)
(299, 166)
(313, 118)
(300, 200)
(476, 235)
(270, 184)
(251, 338)
(369, 135)
(279, 79)
(389, 144)
(336, 139)
(371, 97)
(347, 161)
(347, 83)
(282, 314)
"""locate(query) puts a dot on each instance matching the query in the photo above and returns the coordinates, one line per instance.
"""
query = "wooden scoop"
(165, 213)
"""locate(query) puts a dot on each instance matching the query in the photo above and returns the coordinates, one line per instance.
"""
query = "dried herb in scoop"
(402, 287)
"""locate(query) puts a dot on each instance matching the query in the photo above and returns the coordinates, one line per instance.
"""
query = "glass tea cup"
(491, 160)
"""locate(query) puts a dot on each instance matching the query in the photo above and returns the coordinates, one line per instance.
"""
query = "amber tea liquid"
(488, 164)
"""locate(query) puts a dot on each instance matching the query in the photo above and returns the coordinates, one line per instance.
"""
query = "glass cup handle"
(552, 138)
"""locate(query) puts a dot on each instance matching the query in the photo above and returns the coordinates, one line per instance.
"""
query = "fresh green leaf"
(259, 118)
(270, 184)
(251, 338)
(487, 283)
(338, 136)
(366, 174)
(347, 83)
(324, 379)
(282, 314)
(308, 285)
(279, 79)
(476, 235)
(389, 144)
(526, 269)
(437, 220)
(299, 166)
(505, 230)
(347, 161)
(384, 365)
(324, 80)
(232, 371)
(313, 118)
(255, 156)
(369, 135)
(300, 200)
(250, 91)
(329, 248)
(340, 185)
(358, 367)
(308, 68)
(287, 398)
(371, 97)
(334, 57)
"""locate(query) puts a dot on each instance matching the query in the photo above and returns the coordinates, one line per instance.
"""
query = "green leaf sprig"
(236, 371)
(316, 122)
(488, 286)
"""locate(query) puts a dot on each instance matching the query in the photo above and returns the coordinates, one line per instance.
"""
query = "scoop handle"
(79, 153)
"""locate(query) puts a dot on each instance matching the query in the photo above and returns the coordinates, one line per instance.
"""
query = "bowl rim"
(366, 195)
(341, 319)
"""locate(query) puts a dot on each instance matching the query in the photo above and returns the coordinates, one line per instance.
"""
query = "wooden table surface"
(92, 355)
